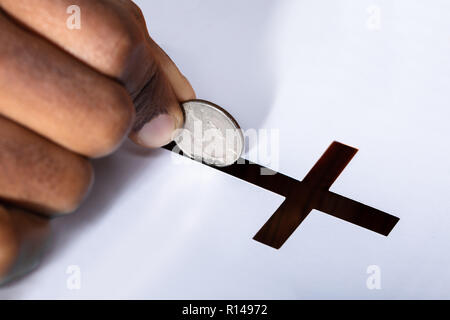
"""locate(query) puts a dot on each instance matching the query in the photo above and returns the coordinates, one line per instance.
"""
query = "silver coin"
(210, 134)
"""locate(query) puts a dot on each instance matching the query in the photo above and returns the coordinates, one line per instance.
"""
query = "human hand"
(69, 95)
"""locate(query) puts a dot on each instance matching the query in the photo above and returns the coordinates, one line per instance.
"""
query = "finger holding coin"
(209, 134)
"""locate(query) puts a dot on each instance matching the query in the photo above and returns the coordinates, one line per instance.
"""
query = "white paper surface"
(318, 71)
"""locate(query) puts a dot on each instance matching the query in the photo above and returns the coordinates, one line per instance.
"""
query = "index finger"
(113, 39)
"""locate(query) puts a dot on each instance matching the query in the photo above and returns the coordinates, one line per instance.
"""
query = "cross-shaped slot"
(310, 193)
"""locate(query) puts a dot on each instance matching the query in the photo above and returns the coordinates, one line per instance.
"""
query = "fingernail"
(158, 132)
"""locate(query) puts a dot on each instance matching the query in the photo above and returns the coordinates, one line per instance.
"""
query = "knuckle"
(39, 175)
(23, 237)
(126, 42)
(125, 38)
(81, 177)
(114, 123)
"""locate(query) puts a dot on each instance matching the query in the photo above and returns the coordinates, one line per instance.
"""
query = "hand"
(68, 95)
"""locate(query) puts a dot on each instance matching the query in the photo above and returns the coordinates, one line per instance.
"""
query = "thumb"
(158, 109)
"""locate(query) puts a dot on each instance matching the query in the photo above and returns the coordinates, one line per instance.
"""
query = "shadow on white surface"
(225, 48)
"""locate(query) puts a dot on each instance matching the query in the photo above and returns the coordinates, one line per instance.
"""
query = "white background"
(317, 71)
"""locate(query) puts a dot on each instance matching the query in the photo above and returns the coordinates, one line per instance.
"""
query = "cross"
(301, 197)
